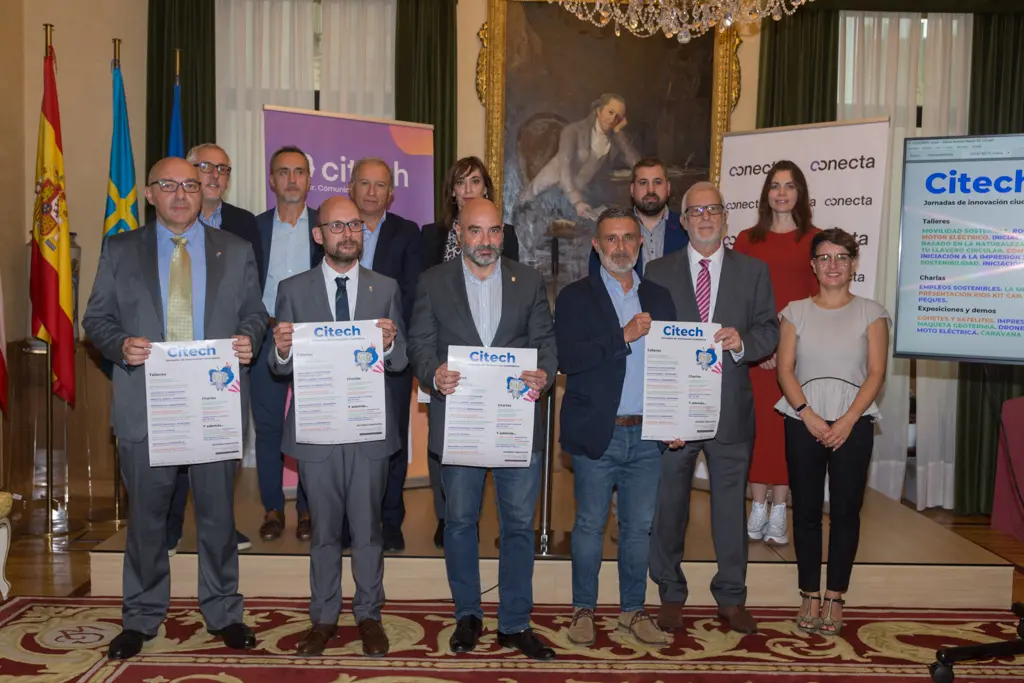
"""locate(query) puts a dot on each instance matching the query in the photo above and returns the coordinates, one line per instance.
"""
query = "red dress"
(789, 266)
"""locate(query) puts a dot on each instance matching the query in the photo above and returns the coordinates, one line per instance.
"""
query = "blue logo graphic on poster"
(366, 358)
(222, 378)
(516, 386)
(706, 358)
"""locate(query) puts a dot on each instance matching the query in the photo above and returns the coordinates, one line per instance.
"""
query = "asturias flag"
(122, 193)
(51, 289)
(176, 142)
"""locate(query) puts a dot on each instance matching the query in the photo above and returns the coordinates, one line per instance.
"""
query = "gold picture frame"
(490, 84)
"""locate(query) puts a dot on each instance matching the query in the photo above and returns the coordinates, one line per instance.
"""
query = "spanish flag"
(51, 288)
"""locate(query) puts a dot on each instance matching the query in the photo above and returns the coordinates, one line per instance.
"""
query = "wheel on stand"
(941, 673)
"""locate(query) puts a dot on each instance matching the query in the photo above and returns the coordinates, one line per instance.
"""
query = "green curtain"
(188, 25)
(425, 80)
(798, 76)
(997, 106)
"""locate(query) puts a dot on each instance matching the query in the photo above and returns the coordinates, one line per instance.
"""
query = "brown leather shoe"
(375, 641)
(740, 620)
(670, 616)
(315, 641)
(273, 525)
(304, 529)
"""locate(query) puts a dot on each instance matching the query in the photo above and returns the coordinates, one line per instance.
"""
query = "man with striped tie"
(710, 283)
(172, 281)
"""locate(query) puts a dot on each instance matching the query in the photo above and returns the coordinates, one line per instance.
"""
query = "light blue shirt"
(627, 305)
(289, 255)
(484, 301)
(370, 239)
(215, 219)
(196, 248)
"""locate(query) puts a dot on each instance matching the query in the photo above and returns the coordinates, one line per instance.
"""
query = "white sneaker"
(776, 531)
(758, 521)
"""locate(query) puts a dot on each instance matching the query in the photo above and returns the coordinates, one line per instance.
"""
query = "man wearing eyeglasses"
(343, 480)
(214, 173)
(392, 246)
(289, 249)
(710, 283)
(152, 285)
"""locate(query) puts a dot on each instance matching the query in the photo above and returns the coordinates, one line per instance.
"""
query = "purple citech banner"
(333, 143)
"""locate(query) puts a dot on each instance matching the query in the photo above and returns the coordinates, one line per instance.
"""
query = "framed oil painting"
(570, 107)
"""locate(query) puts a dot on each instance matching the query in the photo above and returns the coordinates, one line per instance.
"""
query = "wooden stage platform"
(905, 560)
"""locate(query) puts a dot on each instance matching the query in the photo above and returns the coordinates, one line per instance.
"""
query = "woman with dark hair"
(780, 238)
(831, 364)
(466, 179)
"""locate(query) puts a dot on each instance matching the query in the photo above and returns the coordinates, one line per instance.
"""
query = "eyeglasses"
(209, 166)
(170, 186)
(840, 259)
(710, 209)
(338, 227)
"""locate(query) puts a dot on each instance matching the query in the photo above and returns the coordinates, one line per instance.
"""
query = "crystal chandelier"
(679, 19)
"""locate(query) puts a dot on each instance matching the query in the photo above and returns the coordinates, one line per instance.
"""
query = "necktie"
(704, 289)
(341, 300)
(179, 294)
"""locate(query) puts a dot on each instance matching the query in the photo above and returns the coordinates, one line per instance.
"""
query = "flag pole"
(117, 449)
(177, 63)
(48, 28)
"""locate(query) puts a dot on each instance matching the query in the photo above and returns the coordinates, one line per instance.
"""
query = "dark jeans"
(808, 461)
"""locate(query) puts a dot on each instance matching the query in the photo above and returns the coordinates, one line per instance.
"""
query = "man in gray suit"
(343, 480)
(173, 281)
(713, 284)
(478, 300)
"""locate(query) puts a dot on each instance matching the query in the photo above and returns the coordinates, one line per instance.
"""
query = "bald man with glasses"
(164, 282)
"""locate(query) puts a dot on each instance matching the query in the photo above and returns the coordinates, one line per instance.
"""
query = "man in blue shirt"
(600, 326)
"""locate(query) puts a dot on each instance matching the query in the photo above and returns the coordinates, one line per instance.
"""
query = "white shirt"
(715, 270)
(599, 142)
(351, 290)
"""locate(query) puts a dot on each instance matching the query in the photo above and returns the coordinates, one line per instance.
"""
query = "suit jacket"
(126, 302)
(676, 238)
(303, 299)
(442, 318)
(745, 301)
(435, 236)
(242, 223)
(592, 353)
(265, 222)
(399, 256)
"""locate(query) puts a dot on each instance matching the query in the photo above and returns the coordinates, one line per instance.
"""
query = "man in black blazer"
(286, 233)
(392, 246)
(214, 167)
(600, 333)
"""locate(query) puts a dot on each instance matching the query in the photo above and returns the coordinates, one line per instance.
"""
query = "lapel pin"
(371, 288)
(218, 254)
(513, 278)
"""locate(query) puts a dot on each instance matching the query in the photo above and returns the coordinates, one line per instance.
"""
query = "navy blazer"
(675, 239)
(399, 255)
(592, 353)
(265, 223)
(435, 237)
(242, 223)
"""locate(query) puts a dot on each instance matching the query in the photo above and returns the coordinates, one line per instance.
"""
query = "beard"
(650, 204)
(346, 253)
(619, 262)
(474, 255)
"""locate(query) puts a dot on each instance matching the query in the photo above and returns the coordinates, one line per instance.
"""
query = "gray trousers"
(147, 571)
(345, 486)
(728, 467)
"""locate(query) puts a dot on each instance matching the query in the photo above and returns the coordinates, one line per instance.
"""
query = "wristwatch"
(801, 408)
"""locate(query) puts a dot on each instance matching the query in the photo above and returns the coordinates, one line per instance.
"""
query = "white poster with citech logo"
(844, 164)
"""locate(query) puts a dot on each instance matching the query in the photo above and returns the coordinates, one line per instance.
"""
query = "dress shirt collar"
(613, 285)
(192, 234)
(303, 217)
(215, 219)
(383, 217)
(661, 219)
(695, 257)
(470, 277)
(329, 280)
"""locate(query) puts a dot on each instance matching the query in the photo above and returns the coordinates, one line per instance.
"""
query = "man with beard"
(661, 227)
(600, 328)
(342, 480)
(482, 299)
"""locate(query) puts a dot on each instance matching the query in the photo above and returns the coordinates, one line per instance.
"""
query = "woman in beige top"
(831, 366)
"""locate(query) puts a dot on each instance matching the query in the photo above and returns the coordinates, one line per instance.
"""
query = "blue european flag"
(122, 193)
(176, 142)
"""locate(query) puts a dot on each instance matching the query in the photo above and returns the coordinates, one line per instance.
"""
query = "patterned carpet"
(53, 640)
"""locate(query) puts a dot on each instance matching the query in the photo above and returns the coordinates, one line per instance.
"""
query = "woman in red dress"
(781, 239)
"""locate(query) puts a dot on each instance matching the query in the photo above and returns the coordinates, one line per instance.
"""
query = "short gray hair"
(193, 153)
(614, 213)
(365, 161)
(702, 185)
